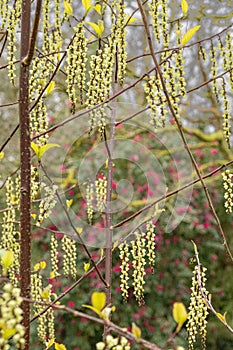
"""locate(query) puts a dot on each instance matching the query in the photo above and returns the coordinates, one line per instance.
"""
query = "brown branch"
(25, 172)
(27, 60)
(105, 322)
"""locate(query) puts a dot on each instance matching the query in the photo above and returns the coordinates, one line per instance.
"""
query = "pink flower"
(137, 138)
(118, 290)
(214, 151)
(214, 258)
(116, 268)
(199, 153)
(114, 185)
(159, 288)
(62, 167)
(71, 304)
(172, 120)
(136, 316)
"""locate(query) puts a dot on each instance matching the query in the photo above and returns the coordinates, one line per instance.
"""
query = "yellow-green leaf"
(98, 28)
(54, 274)
(43, 265)
(45, 293)
(50, 87)
(50, 343)
(222, 317)
(59, 346)
(184, 6)
(87, 4)
(179, 315)
(189, 34)
(8, 333)
(136, 331)
(68, 8)
(115, 245)
(98, 9)
(37, 267)
(69, 203)
(79, 230)
(41, 150)
(93, 309)
(195, 247)
(35, 148)
(98, 300)
(7, 259)
(131, 20)
(1, 155)
(86, 267)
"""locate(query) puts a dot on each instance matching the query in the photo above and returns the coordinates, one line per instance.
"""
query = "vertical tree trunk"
(25, 170)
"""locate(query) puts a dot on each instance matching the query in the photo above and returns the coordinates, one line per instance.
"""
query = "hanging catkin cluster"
(142, 251)
(101, 192)
(45, 327)
(54, 256)
(96, 195)
(11, 316)
(4, 14)
(76, 69)
(96, 92)
(10, 235)
(121, 40)
(226, 113)
(228, 187)
(156, 101)
(198, 308)
(69, 247)
(13, 20)
(159, 15)
(101, 72)
(47, 202)
(213, 59)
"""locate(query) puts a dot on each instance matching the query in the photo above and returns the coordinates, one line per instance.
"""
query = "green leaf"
(184, 6)
(68, 8)
(50, 87)
(189, 34)
(179, 315)
(87, 4)
(98, 28)
(136, 331)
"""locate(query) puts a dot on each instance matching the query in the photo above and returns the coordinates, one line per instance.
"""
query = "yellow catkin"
(196, 319)
(69, 257)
